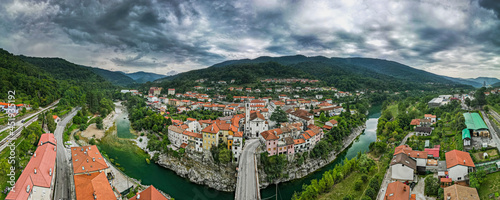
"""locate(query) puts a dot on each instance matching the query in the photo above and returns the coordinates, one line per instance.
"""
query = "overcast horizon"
(455, 38)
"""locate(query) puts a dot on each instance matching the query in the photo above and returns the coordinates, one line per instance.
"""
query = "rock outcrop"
(200, 169)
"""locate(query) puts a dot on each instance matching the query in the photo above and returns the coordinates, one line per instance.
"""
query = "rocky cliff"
(200, 169)
(310, 165)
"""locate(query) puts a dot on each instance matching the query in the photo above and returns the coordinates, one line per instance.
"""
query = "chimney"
(404, 188)
(35, 170)
(93, 159)
(138, 196)
(50, 172)
(34, 155)
(448, 196)
(464, 162)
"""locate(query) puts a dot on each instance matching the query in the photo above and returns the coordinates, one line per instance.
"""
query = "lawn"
(492, 153)
(394, 109)
(490, 185)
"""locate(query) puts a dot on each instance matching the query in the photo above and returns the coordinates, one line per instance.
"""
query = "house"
(271, 142)
(403, 167)
(330, 124)
(414, 123)
(171, 91)
(423, 131)
(300, 115)
(193, 141)
(433, 152)
(459, 192)
(210, 136)
(319, 96)
(237, 146)
(37, 179)
(459, 164)
(175, 135)
(88, 160)
(255, 122)
(56, 119)
(466, 137)
(155, 91)
(150, 193)
(93, 186)
(397, 191)
(299, 145)
(430, 117)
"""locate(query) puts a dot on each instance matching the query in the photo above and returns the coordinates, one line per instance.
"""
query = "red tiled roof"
(47, 137)
(211, 129)
(446, 180)
(43, 161)
(54, 116)
(87, 159)
(310, 133)
(150, 193)
(402, 149)
(456, 157)
(306, 136)
(268, 135)
(238, 134)
(430, 115)
(327, 127)
(397, 191)
(415, 122)
(333, 121)
(298, 141)
(93, 186)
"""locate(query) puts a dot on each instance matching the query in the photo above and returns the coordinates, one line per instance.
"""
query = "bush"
(92, 141)
(357, 185)
(364, 178)
(431, 186)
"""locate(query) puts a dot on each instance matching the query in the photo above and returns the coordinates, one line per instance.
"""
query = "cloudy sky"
(459, 38)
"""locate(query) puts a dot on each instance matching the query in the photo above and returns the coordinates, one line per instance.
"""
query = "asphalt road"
(494, 135)
(63, 185)
(247, 187)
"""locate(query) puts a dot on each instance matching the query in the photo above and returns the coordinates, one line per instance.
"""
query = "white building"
(255, 122)
(237, 146)
(459, 164)
(403, 167)
(175, 135)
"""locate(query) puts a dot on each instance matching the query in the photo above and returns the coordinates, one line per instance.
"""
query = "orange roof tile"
(268, 135)
(47, 137)
(211, 129)
(150, 193)
(456, 157)
(299, 141)
(397, 191)
(238, 134)
(93, 186)
(306, 136)
(87, 159)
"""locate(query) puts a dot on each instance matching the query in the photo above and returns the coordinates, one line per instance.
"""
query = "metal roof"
(465, 133)
(474, 121)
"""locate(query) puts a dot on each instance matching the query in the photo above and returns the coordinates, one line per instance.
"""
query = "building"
(439, 101)
(397, 191)
(431, 117)
(175, 135)
(93, 186)
(171, 91)
(466, 137)
(423, 131)
(87, 160)
(237, 146)
(150, 193)
(403, 167)
(255, 122)
(300, 115)
(271, 141)
(210, 136)
(459, 164)
(476, 125)
(37, 179)
(194, 141)
(459, 192)
(155, 91)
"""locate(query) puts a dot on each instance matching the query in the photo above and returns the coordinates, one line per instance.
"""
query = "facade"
(476, 125)
(237, 146)
(255, 122)
(171, 91)
(175, 135)
(403, 168)
(271, 142)
(210, 136)
(423, 131)
(155, 91)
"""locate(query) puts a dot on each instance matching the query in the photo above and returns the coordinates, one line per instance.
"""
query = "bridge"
(247, 184)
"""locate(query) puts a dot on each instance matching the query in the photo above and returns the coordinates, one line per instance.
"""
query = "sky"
(456, 38)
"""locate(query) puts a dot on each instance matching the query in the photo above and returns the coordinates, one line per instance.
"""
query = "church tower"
(247, 119)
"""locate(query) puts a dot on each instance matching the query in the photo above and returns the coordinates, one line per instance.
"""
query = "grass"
(4, 134)
(346, 186)
(492, 154)
(393, 108)
(490, 185)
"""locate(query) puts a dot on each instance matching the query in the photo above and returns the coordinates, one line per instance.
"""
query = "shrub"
(357, 185)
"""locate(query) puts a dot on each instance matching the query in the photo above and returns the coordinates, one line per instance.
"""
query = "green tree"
(279, 116)
(224, 156)
(323, 117)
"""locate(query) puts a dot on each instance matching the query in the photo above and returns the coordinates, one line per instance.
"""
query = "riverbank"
(310, 165)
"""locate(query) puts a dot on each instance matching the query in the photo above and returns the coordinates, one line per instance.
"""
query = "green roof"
(474, 121)
(465, 133)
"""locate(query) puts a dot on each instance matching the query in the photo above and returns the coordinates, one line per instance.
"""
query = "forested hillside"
(346, 74)
(41, 81)
(116, 78)
(143, 77)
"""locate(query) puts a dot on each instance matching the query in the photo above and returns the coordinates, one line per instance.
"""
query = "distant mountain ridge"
(344, 73)
(143, 77)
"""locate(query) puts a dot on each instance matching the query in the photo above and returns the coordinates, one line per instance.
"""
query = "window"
(459, 178)
(268, 149)
(274, 148)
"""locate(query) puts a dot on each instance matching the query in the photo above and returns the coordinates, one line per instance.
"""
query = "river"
(132, 160)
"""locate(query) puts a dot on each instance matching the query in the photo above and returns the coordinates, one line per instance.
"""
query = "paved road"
(493, 133)
(19, 120)
(247, 186)
(63, 185)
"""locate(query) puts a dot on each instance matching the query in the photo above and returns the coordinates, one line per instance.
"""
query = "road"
(247, 186)
(63, 185)
(19, 121)
(493, 133)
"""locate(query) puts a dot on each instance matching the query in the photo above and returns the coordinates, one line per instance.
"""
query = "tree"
(224, 156)
(99, 123)
(279, 116)
(358, 184)
(431, 186)
(322, 117)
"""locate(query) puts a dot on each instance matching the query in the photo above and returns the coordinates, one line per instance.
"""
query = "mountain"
(171, 73)
(143, 77)
(496, 85)
(344, 73)
(482, 80)
(116, 78)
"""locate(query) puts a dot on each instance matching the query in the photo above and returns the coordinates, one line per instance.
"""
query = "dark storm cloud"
(191, 34)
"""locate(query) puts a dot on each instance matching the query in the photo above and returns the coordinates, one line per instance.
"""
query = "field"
(491, 185)
(492, 153)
